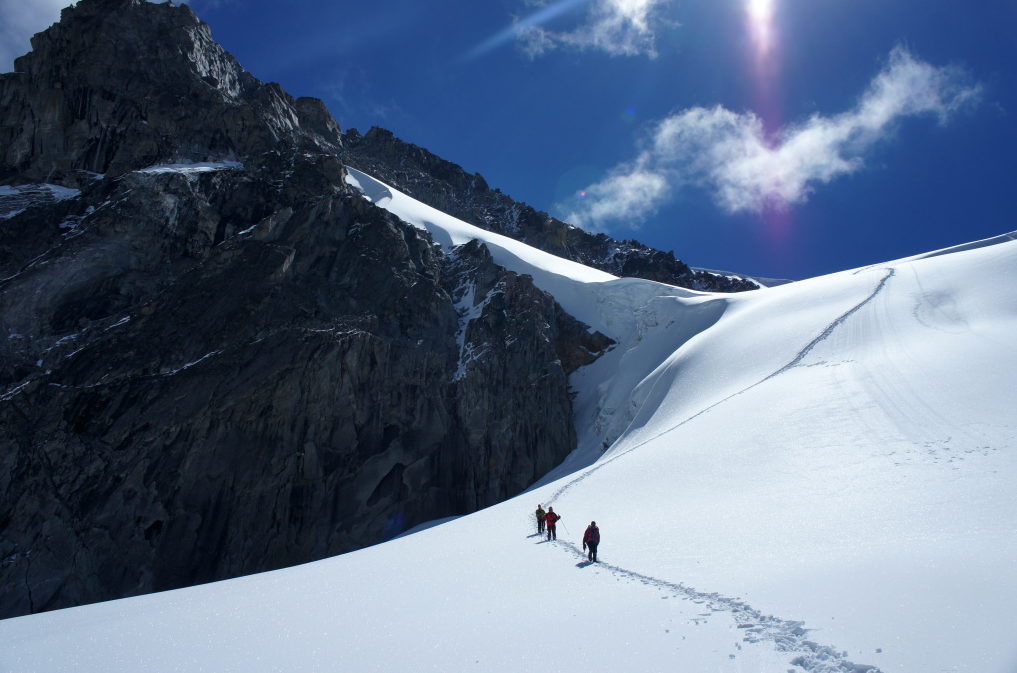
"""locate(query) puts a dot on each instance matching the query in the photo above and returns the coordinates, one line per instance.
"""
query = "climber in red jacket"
(551, 521)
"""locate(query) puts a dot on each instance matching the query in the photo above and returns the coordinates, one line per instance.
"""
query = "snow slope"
(817, 476)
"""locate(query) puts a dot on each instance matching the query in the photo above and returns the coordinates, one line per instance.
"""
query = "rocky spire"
(117, 85)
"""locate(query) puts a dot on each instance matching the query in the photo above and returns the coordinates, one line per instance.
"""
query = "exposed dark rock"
(122, 84)
(184, 402)
(516, 348)
(447, 187)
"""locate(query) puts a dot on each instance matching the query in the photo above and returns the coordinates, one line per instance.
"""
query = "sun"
(760, 10)
(760, 19)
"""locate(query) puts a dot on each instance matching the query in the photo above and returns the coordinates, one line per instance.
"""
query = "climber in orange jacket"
(551, 521)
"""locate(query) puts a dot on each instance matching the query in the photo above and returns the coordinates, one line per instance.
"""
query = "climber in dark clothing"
(551, 520)
(591, 538)
(540, 519)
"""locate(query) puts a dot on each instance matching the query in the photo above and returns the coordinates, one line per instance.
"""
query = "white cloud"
(730, 155)
(19, 21)
(618, 27)
(627, 190)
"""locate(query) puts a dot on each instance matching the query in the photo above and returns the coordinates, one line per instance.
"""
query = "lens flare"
(760, 18)
(761, 25)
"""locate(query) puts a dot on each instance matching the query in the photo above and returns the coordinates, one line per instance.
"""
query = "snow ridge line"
(825, 334)
(789, 636)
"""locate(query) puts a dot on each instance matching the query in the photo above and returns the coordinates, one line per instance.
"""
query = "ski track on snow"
(789, 636)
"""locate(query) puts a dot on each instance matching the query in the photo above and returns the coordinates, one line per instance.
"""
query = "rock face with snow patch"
(216, 358)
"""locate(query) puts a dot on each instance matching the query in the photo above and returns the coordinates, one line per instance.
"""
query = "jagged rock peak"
(84, 26)
(111, 5)
(383, 143)
(117, 85)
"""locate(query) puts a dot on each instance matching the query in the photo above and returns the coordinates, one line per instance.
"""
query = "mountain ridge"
(447, 187)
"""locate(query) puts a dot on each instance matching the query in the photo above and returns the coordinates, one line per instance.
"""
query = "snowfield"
(818, 476)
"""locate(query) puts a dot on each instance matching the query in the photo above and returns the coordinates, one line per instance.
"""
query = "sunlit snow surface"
(799, 477)
(191, 169)
(15, 200)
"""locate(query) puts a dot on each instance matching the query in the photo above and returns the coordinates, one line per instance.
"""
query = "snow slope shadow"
(376, 192)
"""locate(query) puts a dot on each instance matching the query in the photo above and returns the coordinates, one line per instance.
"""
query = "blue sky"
(784, 138)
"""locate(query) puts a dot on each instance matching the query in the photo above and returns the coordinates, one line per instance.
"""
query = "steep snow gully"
(786, 635)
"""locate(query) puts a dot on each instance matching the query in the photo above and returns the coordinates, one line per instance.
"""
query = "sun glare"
(761, 25)
(760, 17)
(760, 9)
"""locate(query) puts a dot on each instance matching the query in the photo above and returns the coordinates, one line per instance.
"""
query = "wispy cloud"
(19, 21)
(618, 27)
(546, 13)
(730, 155)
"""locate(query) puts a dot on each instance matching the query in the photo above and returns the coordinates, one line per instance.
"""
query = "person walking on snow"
(551, 521)
(591, 538)
(540, 519)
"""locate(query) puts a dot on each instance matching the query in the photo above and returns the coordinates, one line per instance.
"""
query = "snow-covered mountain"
(216, 358)
(178, 245)
(812, 477)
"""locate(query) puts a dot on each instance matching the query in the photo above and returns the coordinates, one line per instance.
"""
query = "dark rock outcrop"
(122, 84)
(185, 400)
(447, 187)
(216, 369)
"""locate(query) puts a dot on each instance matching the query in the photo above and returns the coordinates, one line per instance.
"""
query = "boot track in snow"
(787, 636)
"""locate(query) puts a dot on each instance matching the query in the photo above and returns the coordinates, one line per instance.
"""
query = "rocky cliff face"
(122, 84)
(447, 187)
(215, 358)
